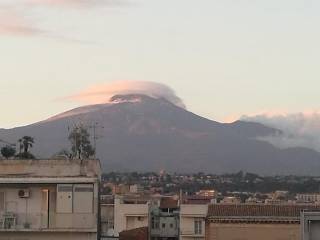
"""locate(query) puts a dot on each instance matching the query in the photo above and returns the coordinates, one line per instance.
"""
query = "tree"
(25, 143)
(80, 143)
(8, 151)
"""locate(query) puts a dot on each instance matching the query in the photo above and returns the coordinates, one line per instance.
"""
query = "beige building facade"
(49, 199)
(130, 214)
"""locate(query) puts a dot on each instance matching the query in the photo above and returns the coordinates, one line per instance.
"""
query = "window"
(163, 225)
(155, 223)
(198, 226)
(76, 198)
(171, 225)
(83, 198)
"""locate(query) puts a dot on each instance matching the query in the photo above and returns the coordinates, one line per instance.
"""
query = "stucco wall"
(188, 214)
(220, 231)
(130, 216)
(50, 168)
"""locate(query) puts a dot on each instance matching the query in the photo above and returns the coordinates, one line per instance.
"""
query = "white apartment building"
(49, 199)
(192, 221)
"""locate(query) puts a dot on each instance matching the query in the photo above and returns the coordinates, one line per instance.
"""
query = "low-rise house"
(49, 199)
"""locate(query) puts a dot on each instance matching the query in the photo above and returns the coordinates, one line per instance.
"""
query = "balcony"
(37, 222)
(190, 233)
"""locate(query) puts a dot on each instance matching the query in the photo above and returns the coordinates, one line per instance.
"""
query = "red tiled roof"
(134, 234)
(258, 210)
(168, 203)
(196, 200)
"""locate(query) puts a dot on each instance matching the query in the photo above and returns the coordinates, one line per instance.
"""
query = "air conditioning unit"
(24, 193)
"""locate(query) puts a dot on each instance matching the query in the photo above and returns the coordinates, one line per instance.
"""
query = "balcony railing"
(191, 233)
(45, 222)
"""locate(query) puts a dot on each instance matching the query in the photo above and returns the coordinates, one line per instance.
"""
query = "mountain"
(141, 133)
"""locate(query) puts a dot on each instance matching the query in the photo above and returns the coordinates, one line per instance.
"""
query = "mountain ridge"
(141, 133)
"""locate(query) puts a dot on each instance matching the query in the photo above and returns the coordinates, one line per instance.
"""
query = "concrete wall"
(221, 231)
(50, 168)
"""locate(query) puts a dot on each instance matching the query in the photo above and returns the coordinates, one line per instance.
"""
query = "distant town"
(244, 187)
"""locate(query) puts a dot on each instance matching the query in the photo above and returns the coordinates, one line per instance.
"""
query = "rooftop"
(258, 212)
(48, 168)
(168, 202)
(135, 234)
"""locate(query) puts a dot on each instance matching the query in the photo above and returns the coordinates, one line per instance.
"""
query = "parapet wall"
(50, 168)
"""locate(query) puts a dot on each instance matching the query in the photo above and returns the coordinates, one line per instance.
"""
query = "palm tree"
(20, 145)
(27, 142)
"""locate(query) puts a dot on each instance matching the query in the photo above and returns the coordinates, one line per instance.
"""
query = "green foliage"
(26, 142)
(8, 151)
(81, 147)
(25, 155)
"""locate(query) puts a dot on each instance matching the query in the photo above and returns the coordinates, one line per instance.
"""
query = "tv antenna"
(94, 128)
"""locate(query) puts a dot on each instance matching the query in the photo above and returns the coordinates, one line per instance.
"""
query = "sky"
(223, 58)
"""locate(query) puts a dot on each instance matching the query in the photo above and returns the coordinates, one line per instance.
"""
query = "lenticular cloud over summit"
(103, 93)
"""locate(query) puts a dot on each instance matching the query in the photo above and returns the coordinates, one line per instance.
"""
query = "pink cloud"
(74, 3)
(104, 92)
(13, 23)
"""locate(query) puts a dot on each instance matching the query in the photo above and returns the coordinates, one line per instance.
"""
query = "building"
(254, 221)
(192, 221)
(308, 198)
(310, 225)
(121, 189)
(207, 193)
(130, 213)
(107, 216)
(49, 199)
(231, 200)
(164, 220)
(136, 188)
